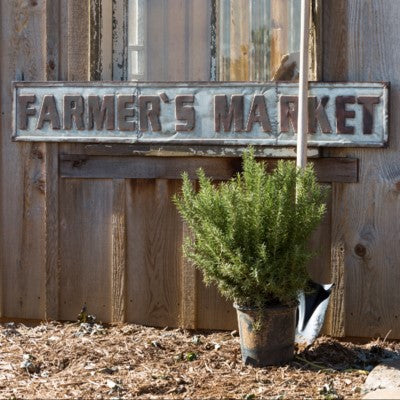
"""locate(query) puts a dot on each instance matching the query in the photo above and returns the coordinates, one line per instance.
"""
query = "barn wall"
(114, 244)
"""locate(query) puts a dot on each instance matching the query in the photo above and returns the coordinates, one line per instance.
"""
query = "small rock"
(384, 376)
(196, 339)
(109, 371)
(29, 365)
(180, 389)
(156, 344)
(111, 384)
(114, 386)
(383, 394)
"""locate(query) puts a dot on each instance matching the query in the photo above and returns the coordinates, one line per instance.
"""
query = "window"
(229, 40)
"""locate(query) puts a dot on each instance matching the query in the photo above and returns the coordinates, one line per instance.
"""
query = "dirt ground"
(89, 360)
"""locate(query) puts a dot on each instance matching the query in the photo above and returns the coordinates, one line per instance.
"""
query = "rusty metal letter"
(73, 110)
(185, 113)
(48, 113)
(100, 110)
(289, 106)
(149, 114)
(342, 114)
(317, 115)
(368, 103)
(258, 113)
(24, 111)
(125, 112)
(235, 112)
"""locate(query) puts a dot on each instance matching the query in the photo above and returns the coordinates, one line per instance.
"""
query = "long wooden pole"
(302, 123)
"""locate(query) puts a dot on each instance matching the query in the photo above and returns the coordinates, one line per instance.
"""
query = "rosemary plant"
(250, 234)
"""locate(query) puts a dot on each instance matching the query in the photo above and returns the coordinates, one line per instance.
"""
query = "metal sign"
(340, 114)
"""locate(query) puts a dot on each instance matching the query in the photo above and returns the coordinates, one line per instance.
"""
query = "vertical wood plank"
(154, 250)
(213, 311)
(198, 53)
(51, 231)
(107, 39)
(176, 39)
(86, 223)
(316, 40)
(78, 40)
(188, 290)
(118, 267)
(22, 180)
(320, 266)
(120, 43)
(96, 39)
(223, 37)
(359, 39)
(279, 33)
(51, 169)
(239, 41)
(156, 33)
(336, 314)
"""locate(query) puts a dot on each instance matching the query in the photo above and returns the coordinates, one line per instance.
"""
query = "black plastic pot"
(267, 335)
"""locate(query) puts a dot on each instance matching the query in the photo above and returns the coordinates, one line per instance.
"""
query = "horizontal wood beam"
(174, 150)
(102, 167)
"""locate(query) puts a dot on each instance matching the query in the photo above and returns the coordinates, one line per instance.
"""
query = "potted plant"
(250, 238)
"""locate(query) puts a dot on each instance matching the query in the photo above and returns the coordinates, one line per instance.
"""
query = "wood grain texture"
(213, 311)
(118, 266)
(78, 40)
(189, 310)
(178, 43)
(320, 243)
(360, 44)
(86, 221)
(316, 40)
(239, 41)
(156, 49)
(179, 151)
(120, 40)
(279, 33)
(154, 232)
(176, 39)
(82, 166)
(51, 232)
(199, 39)
(87, 275)
(22, 181)
(51, 169)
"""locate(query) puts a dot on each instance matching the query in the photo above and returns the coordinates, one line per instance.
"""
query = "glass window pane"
(175, 36)
(172, 40)
(254, 36)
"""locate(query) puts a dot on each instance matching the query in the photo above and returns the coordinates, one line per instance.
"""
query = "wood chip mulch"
(89, 360)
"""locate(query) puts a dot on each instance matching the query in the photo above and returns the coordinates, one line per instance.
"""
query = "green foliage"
(250, 234)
